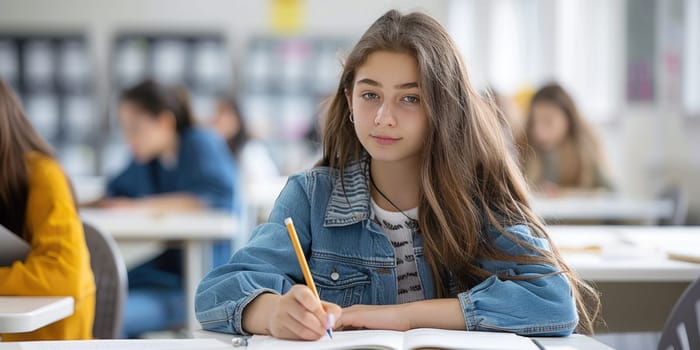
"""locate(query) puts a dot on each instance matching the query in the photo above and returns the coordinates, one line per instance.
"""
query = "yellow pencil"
(305, 268)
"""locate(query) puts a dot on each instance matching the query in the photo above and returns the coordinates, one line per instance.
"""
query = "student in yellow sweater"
(36, 203)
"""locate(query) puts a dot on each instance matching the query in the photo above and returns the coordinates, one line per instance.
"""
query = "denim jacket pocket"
(341, 284)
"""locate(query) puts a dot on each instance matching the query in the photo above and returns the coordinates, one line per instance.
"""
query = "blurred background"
(633, 67)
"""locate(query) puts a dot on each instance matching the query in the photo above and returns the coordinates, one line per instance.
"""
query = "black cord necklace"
(371, 180)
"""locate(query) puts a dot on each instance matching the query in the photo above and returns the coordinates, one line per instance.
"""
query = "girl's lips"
(386, 140)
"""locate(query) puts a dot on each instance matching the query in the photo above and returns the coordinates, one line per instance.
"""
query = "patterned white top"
(399, 229)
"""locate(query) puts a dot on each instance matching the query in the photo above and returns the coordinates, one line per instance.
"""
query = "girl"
(176, 166)
(36, 203)
(415, 217)
(251, 154)
(566, 156)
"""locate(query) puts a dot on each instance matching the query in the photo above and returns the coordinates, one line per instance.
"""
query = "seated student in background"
(252, 156)
(177, 166)
(416, 216)
(37, 204)
(565, 155)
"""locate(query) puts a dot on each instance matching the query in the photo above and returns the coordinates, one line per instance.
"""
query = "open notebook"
(392, 340)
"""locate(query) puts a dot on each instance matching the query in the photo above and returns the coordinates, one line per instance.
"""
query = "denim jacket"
(352, 262)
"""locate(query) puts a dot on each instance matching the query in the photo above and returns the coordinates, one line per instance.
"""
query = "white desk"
(26, 314)
(576, 341)
(120, 344)
(629, 265)
(195, 231)
(601, 208)
(628, 253)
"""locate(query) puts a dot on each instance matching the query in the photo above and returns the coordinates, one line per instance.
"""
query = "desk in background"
(194, 231)
(629, 265)
(628, 253)
(19, 314)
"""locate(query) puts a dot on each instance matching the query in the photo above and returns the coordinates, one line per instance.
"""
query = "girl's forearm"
(435, 313)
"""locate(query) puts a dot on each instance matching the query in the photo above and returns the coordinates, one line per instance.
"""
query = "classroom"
(325, 174)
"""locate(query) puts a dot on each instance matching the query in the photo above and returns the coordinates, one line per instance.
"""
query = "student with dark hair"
(37, 204)
(176, 166)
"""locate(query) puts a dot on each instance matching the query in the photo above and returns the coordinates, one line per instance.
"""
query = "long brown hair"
(17, 139)
(581, 161)
(468, 180)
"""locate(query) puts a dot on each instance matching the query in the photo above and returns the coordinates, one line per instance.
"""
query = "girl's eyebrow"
(378, 84)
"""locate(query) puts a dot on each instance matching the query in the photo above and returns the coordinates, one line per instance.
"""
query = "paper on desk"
(422, 338)
(121, 344)
(363, 339)
(688, 254)
(12, 248)
(583, 241)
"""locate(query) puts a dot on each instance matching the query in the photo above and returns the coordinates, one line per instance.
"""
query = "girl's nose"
(385, 116)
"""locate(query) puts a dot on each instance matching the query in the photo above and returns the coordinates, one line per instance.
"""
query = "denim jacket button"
(335, 276)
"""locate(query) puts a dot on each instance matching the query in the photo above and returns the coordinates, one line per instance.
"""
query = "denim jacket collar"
(349, 202)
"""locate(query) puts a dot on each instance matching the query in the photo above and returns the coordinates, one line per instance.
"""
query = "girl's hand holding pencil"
(299, 314)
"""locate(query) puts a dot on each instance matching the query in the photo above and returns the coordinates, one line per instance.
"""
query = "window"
(513, 44)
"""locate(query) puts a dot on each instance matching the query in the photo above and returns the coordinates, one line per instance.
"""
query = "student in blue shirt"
(416, 216)
(176, 166)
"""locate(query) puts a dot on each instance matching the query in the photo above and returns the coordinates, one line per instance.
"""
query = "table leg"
(197, 264)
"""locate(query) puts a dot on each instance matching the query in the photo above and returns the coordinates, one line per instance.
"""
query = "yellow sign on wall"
(286, 16)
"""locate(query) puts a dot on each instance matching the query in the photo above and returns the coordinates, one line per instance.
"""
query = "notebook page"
(345, 340)
(121, 344)
(463, 340)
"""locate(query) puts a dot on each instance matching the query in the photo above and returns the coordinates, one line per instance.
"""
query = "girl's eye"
(369, 96)
(411, 99)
